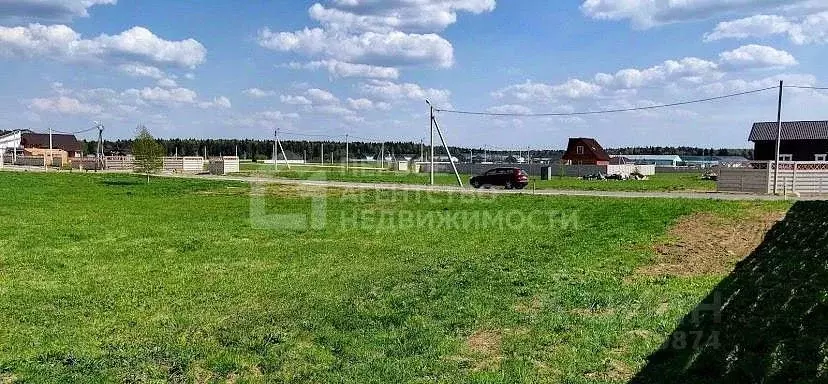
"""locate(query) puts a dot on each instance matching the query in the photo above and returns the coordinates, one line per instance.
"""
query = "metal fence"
(794, 177)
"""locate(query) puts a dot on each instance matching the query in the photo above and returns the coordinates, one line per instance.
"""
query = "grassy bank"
(106, 278)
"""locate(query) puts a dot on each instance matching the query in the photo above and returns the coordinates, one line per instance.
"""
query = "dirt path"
(426, 188)
(449, 189)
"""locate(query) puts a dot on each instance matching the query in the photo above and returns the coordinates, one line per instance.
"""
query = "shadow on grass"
(765, 323)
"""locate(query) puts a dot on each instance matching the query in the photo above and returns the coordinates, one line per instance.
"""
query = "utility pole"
(431, 132)
(45, 164)
(100, 161)
(279, 147)
(778, 138)
(448, 153)
(276, 150)
(347, 153)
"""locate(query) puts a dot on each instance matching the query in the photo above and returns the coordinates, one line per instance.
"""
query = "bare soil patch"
(485, 345)
(614, 370)
(709, 244)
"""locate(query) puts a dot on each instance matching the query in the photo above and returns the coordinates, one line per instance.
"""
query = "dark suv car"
(507, 177)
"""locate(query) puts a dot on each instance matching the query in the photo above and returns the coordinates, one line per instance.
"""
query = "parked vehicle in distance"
(510, 178)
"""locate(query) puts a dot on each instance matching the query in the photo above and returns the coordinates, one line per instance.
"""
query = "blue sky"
(363, 67)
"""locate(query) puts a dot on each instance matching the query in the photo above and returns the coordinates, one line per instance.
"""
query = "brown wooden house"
(585, 151)
(800, 141)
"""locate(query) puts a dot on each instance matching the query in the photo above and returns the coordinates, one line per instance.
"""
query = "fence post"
(793, 183)
(741, 182)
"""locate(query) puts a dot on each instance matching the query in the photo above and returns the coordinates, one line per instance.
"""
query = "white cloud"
(648, 13)
(754, 26)
(265, 119)
(367, 104)
(258, 93)
(142, 70)
(757, 56)
(64, 105)
(167, 83)
(389, 90)
(60, 42)
(218, 102)
(321, 96)
(689, 69)
(335, 110)
(51, 10)
(372, 38)
(164, 96)
(295, 100)
(340, 69)
(545, 93)
(390, 15)
(742, 85)
(626, 83)
(371, 48)
(812, 29)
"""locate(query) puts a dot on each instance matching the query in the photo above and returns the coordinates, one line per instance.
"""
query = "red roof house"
(585, 151)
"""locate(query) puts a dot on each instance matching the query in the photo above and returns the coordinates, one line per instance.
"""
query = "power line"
(459, 112)
(805, 87)
(76, 132)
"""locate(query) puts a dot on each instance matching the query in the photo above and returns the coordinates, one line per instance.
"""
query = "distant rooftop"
(652, 157)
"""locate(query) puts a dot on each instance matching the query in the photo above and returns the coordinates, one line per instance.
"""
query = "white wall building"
(10, 140)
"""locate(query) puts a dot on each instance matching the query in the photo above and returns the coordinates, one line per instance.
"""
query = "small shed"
(224, 165)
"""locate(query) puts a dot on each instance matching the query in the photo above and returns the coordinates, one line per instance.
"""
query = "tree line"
(258, 150)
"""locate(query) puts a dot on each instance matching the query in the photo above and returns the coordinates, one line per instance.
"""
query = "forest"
(310, 150)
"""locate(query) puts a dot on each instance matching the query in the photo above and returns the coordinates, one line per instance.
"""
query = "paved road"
(426, 188)
(545, 192)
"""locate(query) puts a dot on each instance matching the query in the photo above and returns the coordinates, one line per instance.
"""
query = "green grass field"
(106, 278)
(665, 182)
